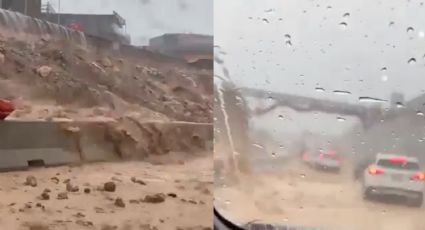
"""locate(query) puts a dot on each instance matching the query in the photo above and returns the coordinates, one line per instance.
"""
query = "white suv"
(395, 175)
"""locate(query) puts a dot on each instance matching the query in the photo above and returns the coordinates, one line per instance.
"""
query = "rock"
(79, 215)
(46, 190)
(72, 188)
(31, 181)
(44, 71)
(66, 181)
(109, 186)
(119, 203)
(106, 62)
(156, 198)
(87, 190)
(109, 227)
(173, 195)
(62, 196)
(84, 223)
(55, 180)
(45, 196)
(138, 181)
(133, 201)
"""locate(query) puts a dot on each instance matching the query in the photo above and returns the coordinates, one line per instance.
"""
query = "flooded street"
(300, 196)
(150, 196)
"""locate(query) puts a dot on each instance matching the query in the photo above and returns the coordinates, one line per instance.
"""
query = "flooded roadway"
(297, 195)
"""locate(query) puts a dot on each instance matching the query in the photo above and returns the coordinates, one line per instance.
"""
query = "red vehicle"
(6, 108)
(326, 160)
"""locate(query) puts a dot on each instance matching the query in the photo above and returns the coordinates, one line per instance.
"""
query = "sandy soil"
(302, 196)
(187, 189)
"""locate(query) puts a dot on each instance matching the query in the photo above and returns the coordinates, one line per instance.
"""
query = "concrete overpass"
(367, 115)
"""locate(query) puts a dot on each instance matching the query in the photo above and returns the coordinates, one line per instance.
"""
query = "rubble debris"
(106, 62)
(44, 71)
(119, 202)
(55, 180)
(87, 190)
(72, 188)
(31, 181)
(62, 196)
(109, 186)
(173, 195)
(84, 223)
(44, 196)
(138, 181)
(155, 198)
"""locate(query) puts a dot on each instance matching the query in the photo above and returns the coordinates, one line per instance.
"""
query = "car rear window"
(386, 163)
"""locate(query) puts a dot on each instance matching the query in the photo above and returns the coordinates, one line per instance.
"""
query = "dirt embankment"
(48, 73)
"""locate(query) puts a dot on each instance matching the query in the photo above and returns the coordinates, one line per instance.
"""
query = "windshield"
(392, 165)
(296, 75)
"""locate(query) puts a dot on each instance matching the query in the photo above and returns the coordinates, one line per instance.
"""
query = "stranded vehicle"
(328, 160)
(395, 175)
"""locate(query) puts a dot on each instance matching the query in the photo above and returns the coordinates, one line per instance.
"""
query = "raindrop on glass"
(370, 99)
(410, 30)
(340, 119)
(384, 78)
(391, 24)
(288, 44)
(346, 15)
(343, 25)
(302, 175)
(399, 105)
(280, 116)
(265, 20)
(411, 61)
(319, 89)
(258, 146)
(419, 113)
(341, 92)
(287, 36)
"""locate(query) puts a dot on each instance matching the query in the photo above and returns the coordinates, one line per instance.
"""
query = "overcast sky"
(149, 18)
(360, 46)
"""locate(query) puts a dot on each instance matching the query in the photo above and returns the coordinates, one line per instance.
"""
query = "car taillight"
(418, 176)
(375, 171)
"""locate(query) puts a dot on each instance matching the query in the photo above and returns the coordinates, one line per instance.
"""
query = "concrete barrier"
(32, 143)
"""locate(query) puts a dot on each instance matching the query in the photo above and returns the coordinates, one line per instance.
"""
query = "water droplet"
(287, 36)
(288, 44)
(302, 175)
(258, 146)
(273, 154)
(269, 10)
(383, 69)
(280, 116)
(399, 105)
(419, 113)
(340, 119)
(346, 15)
(391, 24)
(384, 78)
(343, 25)
(410, 30)
(281, 146)
(411, 61)
(285, 219)
(265, 20)
(371, 99)
(319, 89)
(227, 202)
(341, 92)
